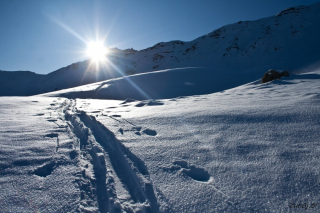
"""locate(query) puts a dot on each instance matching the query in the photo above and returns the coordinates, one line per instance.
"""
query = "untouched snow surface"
(254, 148)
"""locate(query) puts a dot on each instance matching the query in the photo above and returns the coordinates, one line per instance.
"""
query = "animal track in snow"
(128, 100)
(121, 131)
(40, 114)
(141, 104)
(149, 103)
(51, 135)
(52, 120)
(138, 130)
(73, 154)
(192, 171)
(45, 170)
(154, 103)
(117, 116)
(150, 132)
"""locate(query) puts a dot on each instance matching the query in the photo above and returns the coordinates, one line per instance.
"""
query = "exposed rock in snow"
(273, 75)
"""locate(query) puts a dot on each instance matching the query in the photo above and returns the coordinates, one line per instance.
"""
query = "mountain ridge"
(247, 46)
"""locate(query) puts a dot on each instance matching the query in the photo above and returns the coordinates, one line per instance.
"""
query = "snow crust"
(254, 148)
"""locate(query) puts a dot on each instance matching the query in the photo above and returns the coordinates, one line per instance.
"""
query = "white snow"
(254, 148)
(187, 139)
(243, 50)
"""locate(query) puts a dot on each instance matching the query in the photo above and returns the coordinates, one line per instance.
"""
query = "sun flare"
(96, 51)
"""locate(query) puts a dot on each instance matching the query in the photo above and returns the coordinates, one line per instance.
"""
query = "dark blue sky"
(43, 36)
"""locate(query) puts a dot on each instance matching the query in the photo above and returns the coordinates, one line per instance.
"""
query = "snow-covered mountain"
(197, 132)
(243, 50)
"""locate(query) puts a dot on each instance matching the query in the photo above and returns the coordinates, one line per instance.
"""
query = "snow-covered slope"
(182, 141)
(288, 40)
(18, 83)
(164, 84)
(253, 148)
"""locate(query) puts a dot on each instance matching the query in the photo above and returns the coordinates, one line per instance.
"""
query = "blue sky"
(43, 36)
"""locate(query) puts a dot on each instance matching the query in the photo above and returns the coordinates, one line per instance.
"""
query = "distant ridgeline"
(246, 50)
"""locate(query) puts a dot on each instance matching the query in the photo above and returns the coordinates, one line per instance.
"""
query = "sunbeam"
(69, 29)
(97, 52)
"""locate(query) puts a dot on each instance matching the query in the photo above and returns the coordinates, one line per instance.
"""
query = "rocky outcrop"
(272, 75)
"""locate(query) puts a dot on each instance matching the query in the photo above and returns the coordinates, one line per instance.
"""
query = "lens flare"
(96, 51)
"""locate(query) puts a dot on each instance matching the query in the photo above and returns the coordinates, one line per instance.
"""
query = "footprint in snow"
(141, 104)
(136, 130)
(149, 103)
(154, 103)
(40, 114)
(128, 100)
(95, 111)
(52, 120)
(52, 135)
(73, 154)
(45, 170)
(121, 131)
(150, 132)
(198, 174)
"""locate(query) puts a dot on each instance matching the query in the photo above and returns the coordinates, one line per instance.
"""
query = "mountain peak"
(247, 47)
(291, 10)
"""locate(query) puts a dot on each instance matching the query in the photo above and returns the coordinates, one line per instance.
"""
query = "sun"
(96, 51)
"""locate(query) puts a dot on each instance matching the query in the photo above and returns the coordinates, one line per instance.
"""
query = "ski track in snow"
(114, 166)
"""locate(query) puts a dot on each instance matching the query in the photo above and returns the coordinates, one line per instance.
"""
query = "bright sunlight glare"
(96, 51)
